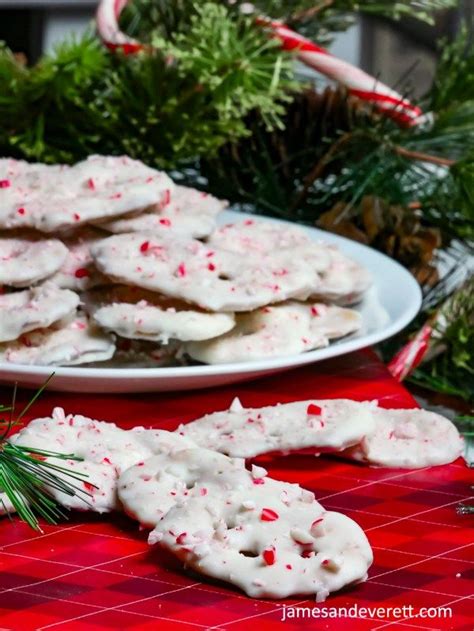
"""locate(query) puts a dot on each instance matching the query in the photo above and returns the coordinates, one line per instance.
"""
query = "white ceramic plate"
(390, 305)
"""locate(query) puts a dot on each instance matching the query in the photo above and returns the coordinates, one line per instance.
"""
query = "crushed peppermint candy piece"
(269, 556)
(268, 514)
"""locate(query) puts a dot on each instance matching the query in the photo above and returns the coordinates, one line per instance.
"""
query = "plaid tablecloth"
(99, 573)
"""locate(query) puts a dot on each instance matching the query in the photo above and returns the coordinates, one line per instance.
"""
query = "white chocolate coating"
(216, 280)
(53, 198)
(142, 315)
(289, 328)
(26, 261)
(107, 451)
(65, 343)
(34, 308)
(188, 212)
(271, 539)
(409, 439)
(322, 424)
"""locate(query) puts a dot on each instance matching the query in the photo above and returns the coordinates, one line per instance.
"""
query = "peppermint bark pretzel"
(340, 279)
(288, 328)
(107, 451)
(214, 279)
(34, 308)
(408, 439)
(323, 425)
(27, 260)
(67, 342)
(55, 198)
(344, 281)
(143, 315)
(187, 212)
(270, 538)
(405, 438)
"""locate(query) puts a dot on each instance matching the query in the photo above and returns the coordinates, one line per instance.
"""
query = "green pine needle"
(27, 474)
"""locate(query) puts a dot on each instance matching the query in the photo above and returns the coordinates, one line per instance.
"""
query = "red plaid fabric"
(94, 572)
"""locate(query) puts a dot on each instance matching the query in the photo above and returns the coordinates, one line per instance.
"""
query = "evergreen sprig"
(235, 61)
(27, 475)
(320, 19)
(451, 367)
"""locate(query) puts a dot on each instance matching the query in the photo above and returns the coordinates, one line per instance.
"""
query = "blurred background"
(382, 48)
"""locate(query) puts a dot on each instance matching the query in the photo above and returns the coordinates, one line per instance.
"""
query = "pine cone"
(396, 230)
(251, 169)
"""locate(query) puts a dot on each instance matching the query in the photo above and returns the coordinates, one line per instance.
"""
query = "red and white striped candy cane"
(108, 13)
(358, 82)
(411, 355)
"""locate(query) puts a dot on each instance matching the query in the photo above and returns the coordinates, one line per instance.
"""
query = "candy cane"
(358, 82)
(108, 13)
(411, 355)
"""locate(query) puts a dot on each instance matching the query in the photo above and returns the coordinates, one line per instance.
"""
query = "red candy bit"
(180, 538)
(89, 487)
(181, 271)
(269, 556)
(202, 492)
(211, 267)
(145, 246)
(288, 566)
(5, 183)
(314, 311)
(314, 410)
(77, 217)
(258, 481)
(21, 211)
(209, 254)
(116, 196)
(166, 197)
(249, 222)
(82, 272)
(90, 184)
(307, 554)
(164, 221)
(106, 461)
(268, 514)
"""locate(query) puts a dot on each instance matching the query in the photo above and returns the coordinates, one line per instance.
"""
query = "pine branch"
(450, 364)
(27, 475)
(321, 19)
(235, 61)
(147, 19)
